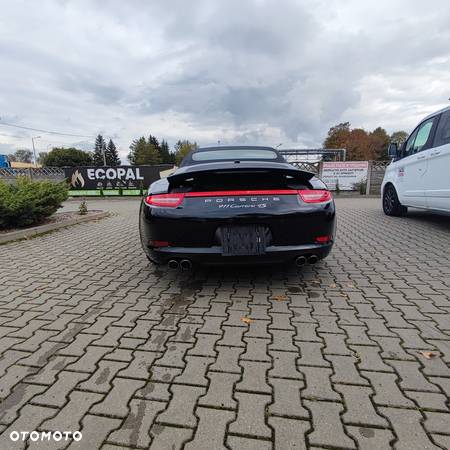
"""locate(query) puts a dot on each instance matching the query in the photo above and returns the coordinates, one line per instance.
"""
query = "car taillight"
(315, 196)
(165, 200)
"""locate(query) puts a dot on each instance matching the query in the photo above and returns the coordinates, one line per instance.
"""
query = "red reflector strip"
(159, 243)
(243, 193)
(323, 239)
(315, 196)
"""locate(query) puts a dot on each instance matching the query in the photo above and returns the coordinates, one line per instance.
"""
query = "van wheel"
(391, 205)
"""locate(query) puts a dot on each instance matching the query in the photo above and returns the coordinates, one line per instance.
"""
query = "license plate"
(243, 240)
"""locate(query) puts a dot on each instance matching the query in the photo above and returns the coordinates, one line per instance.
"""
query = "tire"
(391, 204)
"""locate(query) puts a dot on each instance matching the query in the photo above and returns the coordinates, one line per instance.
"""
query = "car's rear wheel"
(391, 203)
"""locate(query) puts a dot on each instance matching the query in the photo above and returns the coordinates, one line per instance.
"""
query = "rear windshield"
(214, 155)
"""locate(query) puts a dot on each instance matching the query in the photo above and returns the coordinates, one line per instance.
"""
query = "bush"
(83, 209)
(67, 157)
(29, 202)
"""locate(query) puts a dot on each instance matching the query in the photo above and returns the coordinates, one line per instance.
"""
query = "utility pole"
(34, 149)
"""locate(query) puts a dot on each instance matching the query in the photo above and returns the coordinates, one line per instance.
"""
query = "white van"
(419, 174)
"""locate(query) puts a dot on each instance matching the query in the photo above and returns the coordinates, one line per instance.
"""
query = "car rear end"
(238, 214)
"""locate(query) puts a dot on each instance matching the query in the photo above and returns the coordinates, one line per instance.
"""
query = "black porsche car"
(237, 205)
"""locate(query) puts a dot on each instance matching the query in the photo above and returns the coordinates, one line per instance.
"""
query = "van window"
(443, 130)
(419, 138)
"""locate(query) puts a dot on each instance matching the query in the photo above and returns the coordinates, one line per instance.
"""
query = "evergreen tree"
(112, 156)
(142, 152)
(166, 156)
(99, 150)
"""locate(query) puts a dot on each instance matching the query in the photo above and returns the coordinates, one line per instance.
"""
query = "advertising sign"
(346, 173)
(124, 177)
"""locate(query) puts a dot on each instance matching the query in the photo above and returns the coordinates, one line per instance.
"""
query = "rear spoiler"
(241, 168)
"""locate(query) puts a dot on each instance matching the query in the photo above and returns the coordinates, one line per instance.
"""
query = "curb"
(42, 229)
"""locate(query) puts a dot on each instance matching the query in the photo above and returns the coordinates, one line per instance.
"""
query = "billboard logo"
(77, 180)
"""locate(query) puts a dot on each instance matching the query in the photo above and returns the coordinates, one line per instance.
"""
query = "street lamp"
(34, 149)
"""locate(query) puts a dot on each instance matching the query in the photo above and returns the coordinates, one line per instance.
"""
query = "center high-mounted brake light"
(165, 200)
(315, 196)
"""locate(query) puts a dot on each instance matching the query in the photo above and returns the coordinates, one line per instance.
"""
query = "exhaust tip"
(313, 259)
(186, 264)
(300, 261)
(172, 264)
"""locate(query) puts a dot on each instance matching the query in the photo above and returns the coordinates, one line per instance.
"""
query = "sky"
(236, 71)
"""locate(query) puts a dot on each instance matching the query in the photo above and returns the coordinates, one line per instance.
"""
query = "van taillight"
(315, 196)
(165, 200)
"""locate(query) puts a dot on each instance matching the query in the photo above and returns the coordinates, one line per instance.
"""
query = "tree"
(166, 156)
(67, 157)
(41, 157)
(182, 148)
(23, 155)
(143, 152)
(112, 156)
(379, 142)
(338, 136)
(360, 144)
(399, 137)
(99, 150)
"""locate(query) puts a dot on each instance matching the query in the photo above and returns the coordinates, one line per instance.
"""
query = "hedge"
(28, 202)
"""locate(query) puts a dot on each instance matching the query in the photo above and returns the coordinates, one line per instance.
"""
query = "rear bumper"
(213, 255)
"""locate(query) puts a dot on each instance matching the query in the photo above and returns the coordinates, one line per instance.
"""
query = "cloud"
(260, 71)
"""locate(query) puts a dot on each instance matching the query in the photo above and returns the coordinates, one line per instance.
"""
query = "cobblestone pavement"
(351, 353)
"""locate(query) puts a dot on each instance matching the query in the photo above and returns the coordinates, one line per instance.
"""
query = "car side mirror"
(393, 150)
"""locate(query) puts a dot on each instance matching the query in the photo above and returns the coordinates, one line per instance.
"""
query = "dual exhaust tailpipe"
(184, 264)
(302, 260)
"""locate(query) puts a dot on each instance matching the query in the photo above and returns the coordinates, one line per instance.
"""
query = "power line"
(45, 131)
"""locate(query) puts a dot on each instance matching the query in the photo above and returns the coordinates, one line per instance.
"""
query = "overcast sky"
(238, 71)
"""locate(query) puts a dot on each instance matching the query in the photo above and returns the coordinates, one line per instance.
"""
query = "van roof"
(437, 112)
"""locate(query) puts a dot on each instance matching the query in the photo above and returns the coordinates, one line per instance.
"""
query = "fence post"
(369, 177)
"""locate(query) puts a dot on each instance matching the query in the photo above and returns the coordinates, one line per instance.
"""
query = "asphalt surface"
(353, 352)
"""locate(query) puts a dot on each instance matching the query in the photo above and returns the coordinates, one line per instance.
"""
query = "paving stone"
(21, 394)
(181, 406)
(100, 380)
(437, 422)
(58, 393)
(250, 419)
(325, 417)
(345, 370)
(289, 433)
(169, 438)
(241, 443)
(284, 365)
(408, 428)
(429, 400)
(115, 402)
(369, 359)
(194, 371)
(287, 402)
(318, 384)
(227, 360)
(204, 345)
(256, 349)
(334, 344)
(209, 420)
(359, 408)
(220, 390)
(411, 377)
(134, 429)
(95, 429)
(71, 414)
(31, 416)
(140, 365)
(311, 354)
(254, 377)
(89, 361)
(371, 438)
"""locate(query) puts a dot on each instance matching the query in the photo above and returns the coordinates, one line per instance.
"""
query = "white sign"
(346, 173)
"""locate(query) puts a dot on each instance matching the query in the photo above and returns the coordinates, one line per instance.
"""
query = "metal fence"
(38, 173)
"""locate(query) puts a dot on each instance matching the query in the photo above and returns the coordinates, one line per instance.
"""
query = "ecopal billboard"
(124, 177)
(346, 173)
